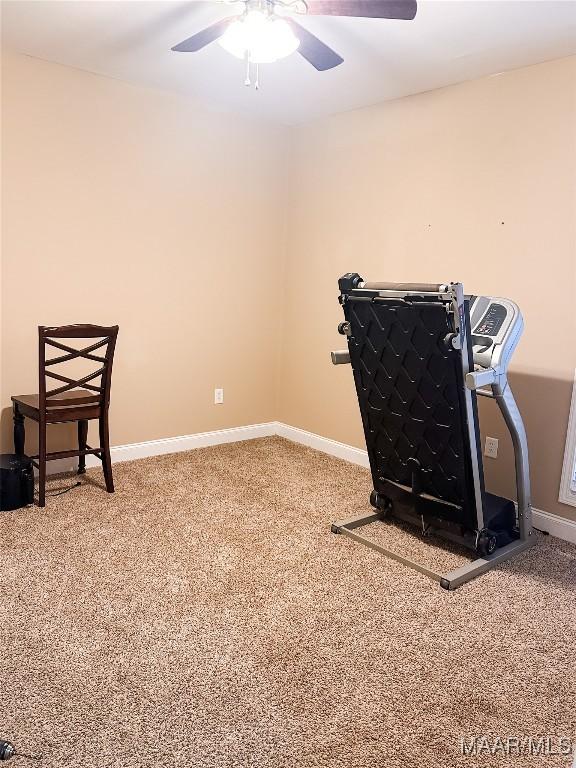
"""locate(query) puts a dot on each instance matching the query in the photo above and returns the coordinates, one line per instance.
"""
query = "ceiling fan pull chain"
(247, 80)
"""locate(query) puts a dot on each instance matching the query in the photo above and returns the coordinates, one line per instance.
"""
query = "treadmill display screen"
(492, 321)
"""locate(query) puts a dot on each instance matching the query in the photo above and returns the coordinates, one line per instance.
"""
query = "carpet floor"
(205, 617)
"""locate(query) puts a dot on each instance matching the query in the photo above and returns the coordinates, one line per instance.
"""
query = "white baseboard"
(324, 444)
(553, 524)
(187, 442)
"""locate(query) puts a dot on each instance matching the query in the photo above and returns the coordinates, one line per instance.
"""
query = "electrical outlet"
(491, 447)
(218, 396)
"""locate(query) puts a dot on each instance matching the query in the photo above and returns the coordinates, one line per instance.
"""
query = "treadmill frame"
(474, 380)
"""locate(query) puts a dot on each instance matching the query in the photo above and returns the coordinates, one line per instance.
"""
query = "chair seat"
(69, 406)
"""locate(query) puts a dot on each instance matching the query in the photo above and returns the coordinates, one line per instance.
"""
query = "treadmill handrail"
(480, 378)
(507, 404)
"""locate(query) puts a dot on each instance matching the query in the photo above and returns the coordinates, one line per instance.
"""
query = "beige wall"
(128, 205)
(476, 183)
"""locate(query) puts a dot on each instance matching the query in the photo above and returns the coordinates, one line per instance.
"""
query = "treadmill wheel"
(344, 328)
(487, 543)
(381, 503)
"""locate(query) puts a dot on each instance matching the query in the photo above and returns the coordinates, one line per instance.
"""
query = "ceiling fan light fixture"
(260, 37)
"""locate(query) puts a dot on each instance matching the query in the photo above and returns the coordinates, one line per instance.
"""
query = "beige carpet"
(204, 617)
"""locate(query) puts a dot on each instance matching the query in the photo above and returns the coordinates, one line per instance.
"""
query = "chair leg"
(19, 431)
(105, 448)
(82, 442)
(42, 464)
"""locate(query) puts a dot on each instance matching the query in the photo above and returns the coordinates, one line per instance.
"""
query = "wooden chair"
(78, 399)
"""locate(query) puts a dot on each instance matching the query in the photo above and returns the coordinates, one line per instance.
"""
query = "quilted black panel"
(409, 385)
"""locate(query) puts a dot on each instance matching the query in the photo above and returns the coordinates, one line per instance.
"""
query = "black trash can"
(16, 481)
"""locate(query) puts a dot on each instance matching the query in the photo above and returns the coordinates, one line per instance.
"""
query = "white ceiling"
(448, 42)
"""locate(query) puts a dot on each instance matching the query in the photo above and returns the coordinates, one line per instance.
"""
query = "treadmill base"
(451, 580)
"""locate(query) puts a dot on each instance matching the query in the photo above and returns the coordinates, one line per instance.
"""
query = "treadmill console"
(492, 321)
(496, 325)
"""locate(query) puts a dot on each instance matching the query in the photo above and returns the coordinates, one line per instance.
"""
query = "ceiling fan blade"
(314, 50)
(372, 9)
(205, 37)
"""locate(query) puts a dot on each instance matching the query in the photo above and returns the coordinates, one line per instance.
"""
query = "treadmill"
(421, 354)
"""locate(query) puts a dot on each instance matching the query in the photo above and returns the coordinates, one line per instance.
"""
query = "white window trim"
(568, 480)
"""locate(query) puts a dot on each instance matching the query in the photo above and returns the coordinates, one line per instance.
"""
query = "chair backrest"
(97, 381)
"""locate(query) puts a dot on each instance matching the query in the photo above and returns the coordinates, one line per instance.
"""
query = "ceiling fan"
(259, 34)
